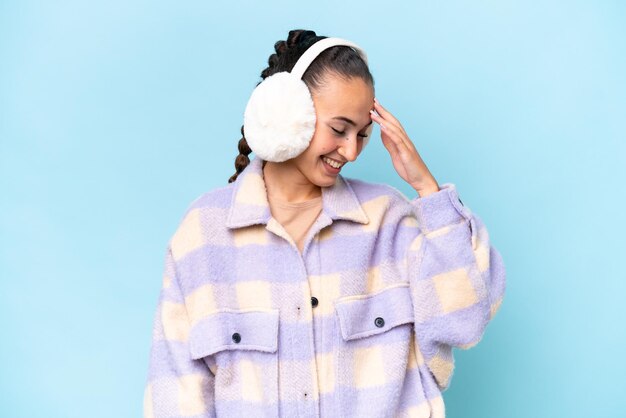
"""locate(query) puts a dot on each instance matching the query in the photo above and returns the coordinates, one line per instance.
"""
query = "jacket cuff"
(440, 209)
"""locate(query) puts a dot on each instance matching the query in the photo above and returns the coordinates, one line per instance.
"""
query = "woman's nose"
(349, 148)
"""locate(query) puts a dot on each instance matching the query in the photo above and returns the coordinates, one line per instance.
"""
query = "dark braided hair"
(340, 60)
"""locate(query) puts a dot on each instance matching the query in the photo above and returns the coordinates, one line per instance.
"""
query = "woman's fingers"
(397, 135)
(406, 160)
(391, 147)
(387, 114)
(389, 119)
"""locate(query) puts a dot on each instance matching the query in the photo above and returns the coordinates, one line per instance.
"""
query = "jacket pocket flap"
(231, 329)
(371, 314)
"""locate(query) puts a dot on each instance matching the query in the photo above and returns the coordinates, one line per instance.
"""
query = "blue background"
(115, 115)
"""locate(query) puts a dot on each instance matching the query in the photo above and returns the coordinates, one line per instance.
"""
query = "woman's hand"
(406, 160)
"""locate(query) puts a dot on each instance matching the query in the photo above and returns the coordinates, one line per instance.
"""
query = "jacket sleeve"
(177, 385)
(457, 280)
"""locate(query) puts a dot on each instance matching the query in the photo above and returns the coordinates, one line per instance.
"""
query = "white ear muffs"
(279, 120)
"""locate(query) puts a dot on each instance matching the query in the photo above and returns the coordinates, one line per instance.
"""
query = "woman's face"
(342, 109)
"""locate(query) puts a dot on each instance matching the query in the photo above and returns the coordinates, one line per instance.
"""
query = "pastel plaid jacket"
(361, 324)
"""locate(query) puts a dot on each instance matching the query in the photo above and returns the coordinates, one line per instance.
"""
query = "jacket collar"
(249, 203)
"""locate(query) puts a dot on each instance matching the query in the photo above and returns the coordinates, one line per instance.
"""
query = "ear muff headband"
(279, 120)
(314, 50)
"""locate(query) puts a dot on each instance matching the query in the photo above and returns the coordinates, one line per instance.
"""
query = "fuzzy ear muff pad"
(279, 120)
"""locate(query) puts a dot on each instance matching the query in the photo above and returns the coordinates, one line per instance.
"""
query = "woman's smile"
(332, 166)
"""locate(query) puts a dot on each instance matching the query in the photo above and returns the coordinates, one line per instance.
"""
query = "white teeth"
(331, 163)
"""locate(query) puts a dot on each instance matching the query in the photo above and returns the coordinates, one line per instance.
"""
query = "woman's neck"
(285, 182)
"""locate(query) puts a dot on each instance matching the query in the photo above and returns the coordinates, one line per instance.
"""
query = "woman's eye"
(344, 132)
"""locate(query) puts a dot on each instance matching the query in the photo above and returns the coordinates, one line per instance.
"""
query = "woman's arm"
(457, 280)
(177, 385)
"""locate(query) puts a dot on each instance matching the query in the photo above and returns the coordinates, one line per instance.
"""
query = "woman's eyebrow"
(350, 121)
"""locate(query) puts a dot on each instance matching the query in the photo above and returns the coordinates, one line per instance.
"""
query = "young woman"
(296, 292)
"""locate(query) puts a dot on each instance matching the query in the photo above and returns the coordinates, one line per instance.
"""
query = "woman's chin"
(326, 181)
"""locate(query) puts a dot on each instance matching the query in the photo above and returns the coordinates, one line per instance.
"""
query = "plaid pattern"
(399, 283)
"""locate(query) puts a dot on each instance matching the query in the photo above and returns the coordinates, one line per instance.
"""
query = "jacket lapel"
(249, 205)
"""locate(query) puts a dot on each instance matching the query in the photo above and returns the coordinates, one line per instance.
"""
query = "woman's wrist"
(427, 188)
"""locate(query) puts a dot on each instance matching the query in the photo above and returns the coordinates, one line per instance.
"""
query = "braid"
(288, 52)
(242, 159)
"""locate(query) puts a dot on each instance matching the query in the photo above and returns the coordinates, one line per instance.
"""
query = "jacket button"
(379, 322)
(236, 337)
(314, 301)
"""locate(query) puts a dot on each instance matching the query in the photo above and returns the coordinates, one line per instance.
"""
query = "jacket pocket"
(372, 314)
(240, 347)
(372, 350)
